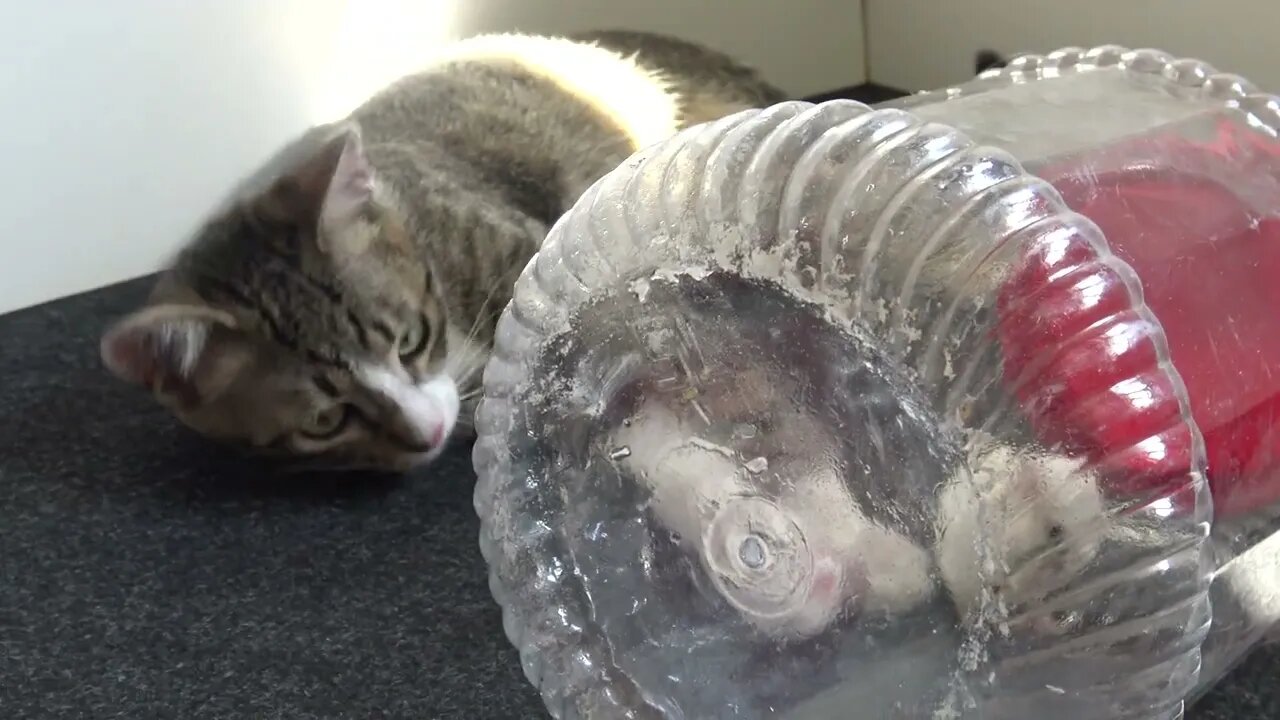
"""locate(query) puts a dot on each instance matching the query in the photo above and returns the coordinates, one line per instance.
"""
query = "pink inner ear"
(351, 185)
(126, 353)
(189, 354)
(160, 354)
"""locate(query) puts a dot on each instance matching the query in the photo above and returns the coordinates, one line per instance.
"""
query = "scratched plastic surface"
(832, 412)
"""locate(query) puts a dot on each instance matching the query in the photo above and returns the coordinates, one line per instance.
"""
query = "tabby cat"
(337, 308)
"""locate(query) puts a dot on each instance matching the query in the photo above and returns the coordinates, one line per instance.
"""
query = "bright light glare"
(374, 43)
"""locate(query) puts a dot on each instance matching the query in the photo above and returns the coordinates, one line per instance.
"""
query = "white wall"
(125, 120)
(925, 44)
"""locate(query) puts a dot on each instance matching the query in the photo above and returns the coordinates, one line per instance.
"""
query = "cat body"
(338, 306)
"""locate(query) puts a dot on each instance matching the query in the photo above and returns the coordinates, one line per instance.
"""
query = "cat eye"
(414, 341)
(328, 423)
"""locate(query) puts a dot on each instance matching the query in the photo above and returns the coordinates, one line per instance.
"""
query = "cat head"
(301, 321)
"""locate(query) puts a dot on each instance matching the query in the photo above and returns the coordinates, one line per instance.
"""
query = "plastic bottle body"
(1179, 166)
(830, 412)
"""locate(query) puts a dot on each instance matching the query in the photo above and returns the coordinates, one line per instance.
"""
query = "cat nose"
(413, 420)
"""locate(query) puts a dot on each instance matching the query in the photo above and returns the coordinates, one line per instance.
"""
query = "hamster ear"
(186, 354)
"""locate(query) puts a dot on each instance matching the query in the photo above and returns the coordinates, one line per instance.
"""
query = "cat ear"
(351, 183)
(186, 353)
(336, 182)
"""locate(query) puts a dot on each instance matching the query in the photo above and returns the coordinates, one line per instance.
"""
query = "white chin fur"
(441, 393)
(431, 407)
(444, 395)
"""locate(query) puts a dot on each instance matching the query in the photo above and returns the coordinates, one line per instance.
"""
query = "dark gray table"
(145, 574)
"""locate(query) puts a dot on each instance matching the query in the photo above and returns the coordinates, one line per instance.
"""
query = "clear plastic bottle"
(832, 412)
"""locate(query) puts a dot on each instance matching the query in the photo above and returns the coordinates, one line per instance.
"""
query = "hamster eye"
(326, 424)
(413, 341)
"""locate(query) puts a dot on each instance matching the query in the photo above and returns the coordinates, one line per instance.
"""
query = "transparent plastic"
(833, 412)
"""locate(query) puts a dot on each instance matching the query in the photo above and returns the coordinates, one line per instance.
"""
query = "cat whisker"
(482, 318)
(471, 359)
(468, 364)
